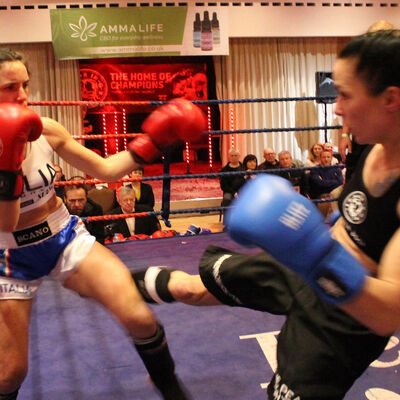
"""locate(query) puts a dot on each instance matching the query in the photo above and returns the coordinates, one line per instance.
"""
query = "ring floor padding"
(79, 352)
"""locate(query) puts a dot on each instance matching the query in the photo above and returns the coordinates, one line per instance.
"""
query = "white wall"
(246, 19)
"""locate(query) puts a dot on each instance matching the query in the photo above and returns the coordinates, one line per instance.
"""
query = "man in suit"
(298, 179)
(132, 226)
(78, 203)
(59, 178)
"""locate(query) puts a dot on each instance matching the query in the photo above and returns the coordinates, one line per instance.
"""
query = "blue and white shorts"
(52, 248)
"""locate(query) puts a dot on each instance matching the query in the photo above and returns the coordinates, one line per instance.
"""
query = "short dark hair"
(67, 188)
(249, 157)
(378, 58)
(8, 55)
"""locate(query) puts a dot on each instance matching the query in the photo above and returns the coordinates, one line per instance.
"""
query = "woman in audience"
(250, 163)
(144, 191)
(314, 154)
(335, 157)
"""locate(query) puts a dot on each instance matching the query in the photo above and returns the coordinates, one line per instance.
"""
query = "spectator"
(77, 202)
(230, 185)
(144, 191)
(335, 156)
(270, 160)
(250, 164)
(314, 154)
(126, 198)
(324, 180)
(59, 178)
(299, 179)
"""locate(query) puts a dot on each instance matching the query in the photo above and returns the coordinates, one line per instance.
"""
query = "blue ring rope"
(323, 99)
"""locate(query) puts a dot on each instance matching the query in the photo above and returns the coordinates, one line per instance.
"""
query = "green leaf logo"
(83, 30)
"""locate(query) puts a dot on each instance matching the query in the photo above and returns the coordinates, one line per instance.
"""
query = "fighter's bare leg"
(102, 276)
(160, 284)
(14, 343)
(189, 289)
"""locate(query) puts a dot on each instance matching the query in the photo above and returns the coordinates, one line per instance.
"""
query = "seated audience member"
(314, 154)
(249, 164)
(230, 185)
(59, 178)
(335, 156)
(324, 180)
(132, 226)
(144, 191)
(77, 202)
(270, 162)
(299, 179)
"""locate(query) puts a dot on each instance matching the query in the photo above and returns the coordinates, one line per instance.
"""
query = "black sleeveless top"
(369, 221)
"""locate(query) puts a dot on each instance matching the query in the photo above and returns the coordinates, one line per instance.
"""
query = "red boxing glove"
(18, 125)
(178, 120)
(158, 234)
(139, 236)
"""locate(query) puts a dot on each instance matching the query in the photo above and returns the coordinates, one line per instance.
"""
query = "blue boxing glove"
(335, 215)
(270, 214)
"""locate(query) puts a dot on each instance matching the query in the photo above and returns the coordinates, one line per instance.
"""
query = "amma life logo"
(93, 85)
(83, 31)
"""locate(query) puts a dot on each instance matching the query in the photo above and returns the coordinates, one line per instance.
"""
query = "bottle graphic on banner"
(206, 33)
(215, 29)
(197, 31)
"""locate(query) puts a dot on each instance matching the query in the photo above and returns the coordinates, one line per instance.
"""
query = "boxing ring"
(78, 351)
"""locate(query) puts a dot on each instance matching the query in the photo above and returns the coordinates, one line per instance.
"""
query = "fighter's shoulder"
(50, 126)
(54, 132)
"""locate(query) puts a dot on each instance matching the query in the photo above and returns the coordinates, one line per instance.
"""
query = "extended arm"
(170, 123)
(108, 169)
(292, 230)
(378, 304)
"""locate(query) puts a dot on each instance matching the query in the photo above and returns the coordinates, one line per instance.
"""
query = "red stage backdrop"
(120, 79)
(137, 82)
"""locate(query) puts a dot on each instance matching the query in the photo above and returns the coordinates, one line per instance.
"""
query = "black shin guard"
(9, 396)
(158, 361)
(153, 284)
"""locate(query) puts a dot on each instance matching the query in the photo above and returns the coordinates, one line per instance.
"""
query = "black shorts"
(321, 350)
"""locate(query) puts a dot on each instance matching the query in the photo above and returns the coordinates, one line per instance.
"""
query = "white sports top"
(39, 175)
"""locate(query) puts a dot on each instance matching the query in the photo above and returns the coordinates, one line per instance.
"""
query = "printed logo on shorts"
(355, 207)
(33, 234)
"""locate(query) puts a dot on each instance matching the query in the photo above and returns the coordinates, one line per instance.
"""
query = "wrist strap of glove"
(11, 185)
(339, 277)
(143, 149)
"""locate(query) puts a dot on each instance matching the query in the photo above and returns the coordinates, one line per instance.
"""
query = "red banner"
(124, 81)
(141, 82)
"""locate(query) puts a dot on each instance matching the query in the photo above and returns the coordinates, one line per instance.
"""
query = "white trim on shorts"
(71, 257)
(57, 221)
